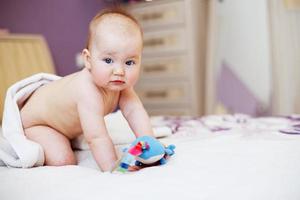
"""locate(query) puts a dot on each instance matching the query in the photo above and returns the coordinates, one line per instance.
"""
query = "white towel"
(15, 149)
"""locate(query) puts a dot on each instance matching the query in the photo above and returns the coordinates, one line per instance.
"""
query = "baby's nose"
(119, 71)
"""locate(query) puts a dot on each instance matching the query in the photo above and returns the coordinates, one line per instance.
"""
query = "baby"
(76, 104)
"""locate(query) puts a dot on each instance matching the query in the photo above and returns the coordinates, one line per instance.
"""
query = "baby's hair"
(112, 11)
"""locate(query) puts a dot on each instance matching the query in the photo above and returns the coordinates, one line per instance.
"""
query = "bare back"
(55, 104)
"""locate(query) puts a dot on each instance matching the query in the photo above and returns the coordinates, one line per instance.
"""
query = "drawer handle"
(156, 94)
(155, 68)
(154, 42)
(151, 16)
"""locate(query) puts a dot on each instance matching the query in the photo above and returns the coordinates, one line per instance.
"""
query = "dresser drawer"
(163, 93)
(157, 42)
(150, 15)
(170, 66)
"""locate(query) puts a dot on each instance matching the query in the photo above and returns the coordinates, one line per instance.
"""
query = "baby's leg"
(56, 146)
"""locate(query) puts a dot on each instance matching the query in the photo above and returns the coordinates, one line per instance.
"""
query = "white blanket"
(216, 157)
(226, 165)
(17, 151)
(120, 131)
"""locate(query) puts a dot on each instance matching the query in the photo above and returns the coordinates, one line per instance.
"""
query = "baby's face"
(116, 55)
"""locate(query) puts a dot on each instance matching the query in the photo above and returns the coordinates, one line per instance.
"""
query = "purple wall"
(63, 23)
(235, 95)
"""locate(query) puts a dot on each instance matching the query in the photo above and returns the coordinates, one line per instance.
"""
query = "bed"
(217, 157)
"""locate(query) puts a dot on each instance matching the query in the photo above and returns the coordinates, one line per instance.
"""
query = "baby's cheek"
(133, 79)
(100, 78)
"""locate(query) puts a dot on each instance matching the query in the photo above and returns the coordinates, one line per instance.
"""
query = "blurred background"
(200, 56)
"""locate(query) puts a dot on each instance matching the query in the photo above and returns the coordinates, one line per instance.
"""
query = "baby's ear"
(86, 58)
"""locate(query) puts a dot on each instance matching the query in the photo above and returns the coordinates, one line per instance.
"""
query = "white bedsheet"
(217, 157)
(231, 165)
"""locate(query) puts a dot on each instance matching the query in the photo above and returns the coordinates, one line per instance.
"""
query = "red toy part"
(138, 148)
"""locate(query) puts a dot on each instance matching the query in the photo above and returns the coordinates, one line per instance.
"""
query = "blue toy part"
(170, 150)
(145, 151)
(162, 161)
(157, 153)
(154, 153)
(125, 162)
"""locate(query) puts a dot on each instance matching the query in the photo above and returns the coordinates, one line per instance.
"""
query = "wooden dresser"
(173, 65)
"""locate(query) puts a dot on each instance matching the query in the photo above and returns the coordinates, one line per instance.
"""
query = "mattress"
(217, 157)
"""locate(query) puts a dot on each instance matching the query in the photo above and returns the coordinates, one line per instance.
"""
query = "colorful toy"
(145, 151)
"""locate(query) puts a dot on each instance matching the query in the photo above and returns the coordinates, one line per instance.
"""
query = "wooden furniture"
(285, 47)
(173, 64)
(21, 56)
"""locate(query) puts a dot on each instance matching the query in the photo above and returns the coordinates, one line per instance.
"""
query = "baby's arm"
(135, 113)
(95, 132)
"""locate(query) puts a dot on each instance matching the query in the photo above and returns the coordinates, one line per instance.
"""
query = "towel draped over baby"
(15, 149)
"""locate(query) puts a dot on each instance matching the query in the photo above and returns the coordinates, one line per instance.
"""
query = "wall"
(63, 24)
(242, 41)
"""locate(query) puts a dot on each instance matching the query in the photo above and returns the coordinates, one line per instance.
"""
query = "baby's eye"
(130, 62)
(108, 60)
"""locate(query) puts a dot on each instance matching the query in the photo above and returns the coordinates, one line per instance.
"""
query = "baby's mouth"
(118, 82)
